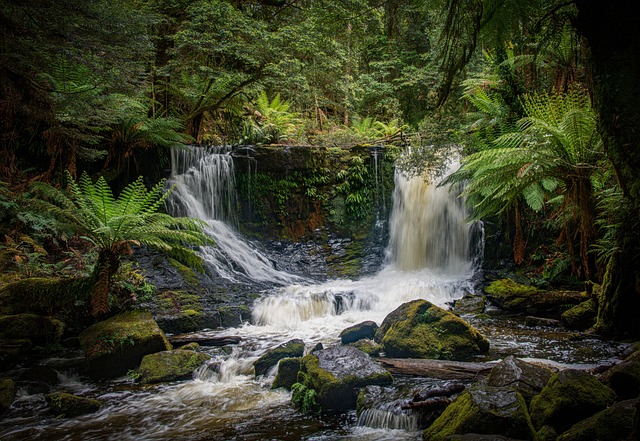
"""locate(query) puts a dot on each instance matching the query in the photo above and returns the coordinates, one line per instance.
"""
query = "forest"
(537, 99)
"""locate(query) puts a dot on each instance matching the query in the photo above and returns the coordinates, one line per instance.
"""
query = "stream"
(431, 255)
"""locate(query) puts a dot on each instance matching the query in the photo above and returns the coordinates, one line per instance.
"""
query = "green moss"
(39, 330)
(508, 288)
(483, 410)
(170, 365)
(420, 329)
(179, 301)
(287, 375)
(581, 316)
(65, 405)
(614, 423)
(291, 349)
(569, 397)
(7, 393)
(118, 344)
(367, 346)
(188, 274)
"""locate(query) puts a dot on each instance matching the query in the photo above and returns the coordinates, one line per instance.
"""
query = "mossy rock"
(570, 396)
(483, 410)
(582, 316)
(526, 378)
(469, 305)
(64, 298)
(420, 329)
(287, 375)
(367, 346)
(612, 424)
(515, 297)
(624, 378)
(337, 374)
(40, 330)
(358, 332)
(65, 405)
(7, 393)
(291, 349)
(114, 346)
(177, 364)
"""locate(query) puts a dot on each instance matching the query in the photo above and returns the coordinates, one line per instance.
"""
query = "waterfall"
(205, 188)
(428, 227)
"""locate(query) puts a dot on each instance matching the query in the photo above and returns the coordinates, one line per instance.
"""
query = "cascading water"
(205, 189)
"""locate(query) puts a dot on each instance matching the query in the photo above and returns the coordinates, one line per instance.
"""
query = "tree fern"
(114, 224)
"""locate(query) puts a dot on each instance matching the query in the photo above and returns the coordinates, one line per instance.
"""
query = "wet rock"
(469, 305)
(624, 378)
(483, 410)
(544, 322)
(38, 379)
(177, 364)
(40, 330)
(287, 375)
(581, 316)
(357, 332)
(291, 349)
(336, 374)
(614, 423)
(7, 393)
(204, 340)
(193, 346)
(570, 396)
(65, 405)
(514, 297)
(114, 346)
(367, 346)
(526, 378)
(419, 329)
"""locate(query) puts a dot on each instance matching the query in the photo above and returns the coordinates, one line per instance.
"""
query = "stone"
(543, 322)
(287, 375)
(336, 374)
(65, 405)
(116, 345)
(612, 424)
(40, 330)
(358, 332)
(514, 297)
(367, 346)
(582, 316)
(469, 305)
(177, 364)
(526, 378)
(7, 393)
(569, 396)
(291, 349)
(624, 378)
(419, 329)
(483, 410)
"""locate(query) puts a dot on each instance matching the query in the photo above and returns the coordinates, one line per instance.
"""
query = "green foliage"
(304, 398)
(113, 224)
(355, 189)
(270, 122)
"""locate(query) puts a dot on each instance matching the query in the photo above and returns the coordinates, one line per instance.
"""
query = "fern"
(114, 224)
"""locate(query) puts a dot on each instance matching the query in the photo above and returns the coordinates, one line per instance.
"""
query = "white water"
(205, 189)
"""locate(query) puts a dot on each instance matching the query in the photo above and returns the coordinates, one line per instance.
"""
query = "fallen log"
(436, 403)
(441, 369)
(183, 339)
(446, 391)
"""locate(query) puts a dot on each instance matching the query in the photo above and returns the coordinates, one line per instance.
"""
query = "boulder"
(612, 424)
(291, 349)
(541, 322)
(367, 346)
(526, 378)
(38, 379)
(177, 364)
(570, 396)
(116, 345)
(582, 316)
(469, 305)
(65, 405)
(624, 378)
(7, 393)
(287, 375)
(483, 410)
(419, 329)
(514, 297)
(40, 330)
(336, 374)
(358, 332)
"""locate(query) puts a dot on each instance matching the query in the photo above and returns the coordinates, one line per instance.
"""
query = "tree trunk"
(443, 369)
(611, 30)
(106, 266)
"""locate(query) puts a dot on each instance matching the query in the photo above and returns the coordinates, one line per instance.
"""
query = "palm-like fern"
(113, 224)
(554, 153)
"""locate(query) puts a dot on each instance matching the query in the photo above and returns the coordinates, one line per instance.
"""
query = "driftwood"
(181, 340)
(446, 391)
(442, 369)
